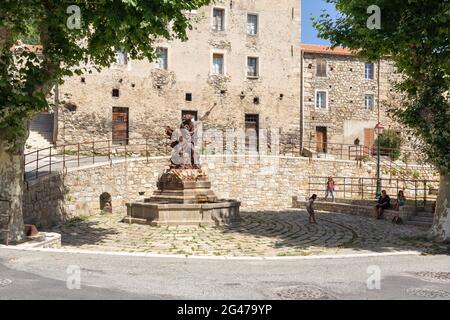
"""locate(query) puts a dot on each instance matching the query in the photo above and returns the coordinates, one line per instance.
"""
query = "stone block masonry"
(259, 182)
(153, 97)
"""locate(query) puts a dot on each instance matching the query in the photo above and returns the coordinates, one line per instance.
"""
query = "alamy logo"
(374, 280)
(74, 279)
(74, 20)
(374, 21)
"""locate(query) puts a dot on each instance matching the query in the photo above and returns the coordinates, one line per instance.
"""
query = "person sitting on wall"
(384, 202)
(401, 200)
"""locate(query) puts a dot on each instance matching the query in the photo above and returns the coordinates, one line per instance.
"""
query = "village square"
(233, 156)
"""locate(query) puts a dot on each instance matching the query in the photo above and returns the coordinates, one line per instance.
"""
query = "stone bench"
(405, 212)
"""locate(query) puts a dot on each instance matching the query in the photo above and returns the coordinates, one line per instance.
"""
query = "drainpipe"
(56, 114)
(302, 113)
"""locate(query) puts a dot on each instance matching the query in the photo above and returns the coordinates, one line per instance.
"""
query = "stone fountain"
(184, 195)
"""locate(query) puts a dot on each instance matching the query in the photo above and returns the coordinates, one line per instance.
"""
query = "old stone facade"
(344, 97)
(243, 56)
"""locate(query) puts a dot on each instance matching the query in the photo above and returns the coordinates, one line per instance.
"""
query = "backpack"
(397, 220)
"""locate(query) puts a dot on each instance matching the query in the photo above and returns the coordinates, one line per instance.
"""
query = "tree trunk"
(440, 231)
(11, 193)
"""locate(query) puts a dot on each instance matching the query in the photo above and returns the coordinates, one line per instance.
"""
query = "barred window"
(163, 58)
(218, 19)
(218, 63)
(252, 24)
(252, 67)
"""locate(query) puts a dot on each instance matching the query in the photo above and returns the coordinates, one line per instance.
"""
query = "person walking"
(330, 188)
(310, 208)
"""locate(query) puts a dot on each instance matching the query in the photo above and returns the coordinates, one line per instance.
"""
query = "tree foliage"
(390, 141)
(26, 78)
(415, 35)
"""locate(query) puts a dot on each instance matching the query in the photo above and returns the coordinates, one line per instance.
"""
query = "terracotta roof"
(314, 48)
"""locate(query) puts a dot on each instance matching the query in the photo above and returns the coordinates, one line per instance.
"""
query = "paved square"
(267, 233)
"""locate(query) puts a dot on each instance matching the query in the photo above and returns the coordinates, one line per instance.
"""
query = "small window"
(368, 71)
(115, 93)
(321, 68)
(163, 58)
(252, 24)
(192, 113)
(218, 20)
(321, 100)
(218, 63)
(188, 97)
(368, 101)
(121, 57)
(252, 67)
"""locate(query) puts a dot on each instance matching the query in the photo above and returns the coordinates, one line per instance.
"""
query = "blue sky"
(313, 8)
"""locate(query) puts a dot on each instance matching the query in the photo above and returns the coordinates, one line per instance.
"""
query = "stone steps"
(41, 132)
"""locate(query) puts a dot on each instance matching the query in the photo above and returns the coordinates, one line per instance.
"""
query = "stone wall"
(156, 98)
(268, 183)
(258, 182)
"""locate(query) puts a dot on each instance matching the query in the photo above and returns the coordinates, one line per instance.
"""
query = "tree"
(71, 36)
(391, 142)
(414, 34)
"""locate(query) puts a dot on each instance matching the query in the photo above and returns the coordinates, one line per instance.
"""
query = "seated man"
(384, 202)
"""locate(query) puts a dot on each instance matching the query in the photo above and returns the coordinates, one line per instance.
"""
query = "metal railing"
(52, 159)
(420, 193)
(45, 161)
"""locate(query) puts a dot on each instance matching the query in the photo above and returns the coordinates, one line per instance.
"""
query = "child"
(310, 208)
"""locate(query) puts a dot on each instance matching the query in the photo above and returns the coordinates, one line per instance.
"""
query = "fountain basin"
(199, 214)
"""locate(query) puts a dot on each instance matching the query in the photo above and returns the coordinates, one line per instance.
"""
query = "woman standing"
(330, 188)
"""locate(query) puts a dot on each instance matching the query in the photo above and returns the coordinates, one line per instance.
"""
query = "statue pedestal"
(184, 197)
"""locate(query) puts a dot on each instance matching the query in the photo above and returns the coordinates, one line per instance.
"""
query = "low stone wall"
(259, 182)
(360, 208)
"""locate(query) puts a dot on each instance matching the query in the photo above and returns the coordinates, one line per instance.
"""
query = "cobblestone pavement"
(267, 233)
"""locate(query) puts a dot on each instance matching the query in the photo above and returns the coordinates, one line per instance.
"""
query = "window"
(188, 97)
(321, 68)
(368, 71)
(252, 24)
(115, 93)
(321, 100)
(218, 19)
(121, 57)
(368, 102)
(163, 58)
(192, 113)
(217, 63)
(252, 67)
(251, 133)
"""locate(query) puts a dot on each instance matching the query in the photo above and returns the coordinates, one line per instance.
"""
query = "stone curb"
(249, 258)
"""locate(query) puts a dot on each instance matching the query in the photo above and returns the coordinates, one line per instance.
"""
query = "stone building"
(242, 56)
(343, 98)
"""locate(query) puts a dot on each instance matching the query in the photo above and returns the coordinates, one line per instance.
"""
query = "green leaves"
(26, 79)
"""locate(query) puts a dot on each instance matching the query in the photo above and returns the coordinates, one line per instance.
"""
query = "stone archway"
(106, 202)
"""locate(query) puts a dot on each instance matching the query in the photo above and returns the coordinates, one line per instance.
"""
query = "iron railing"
(420, 193)
(58, 158)
(45, 161)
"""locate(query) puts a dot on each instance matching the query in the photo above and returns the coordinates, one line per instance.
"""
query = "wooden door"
(120, 125)
(251, 132)
(321, 139)
(369, 140)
